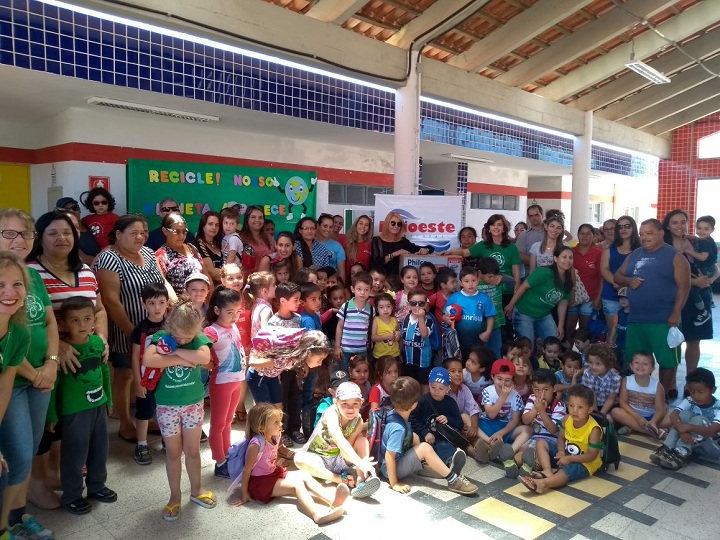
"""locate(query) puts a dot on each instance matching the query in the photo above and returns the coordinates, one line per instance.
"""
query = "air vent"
(149, 109)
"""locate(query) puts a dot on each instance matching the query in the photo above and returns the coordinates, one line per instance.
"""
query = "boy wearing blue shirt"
(478, 310)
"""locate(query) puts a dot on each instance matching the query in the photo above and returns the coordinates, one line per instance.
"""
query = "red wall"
(679, 175)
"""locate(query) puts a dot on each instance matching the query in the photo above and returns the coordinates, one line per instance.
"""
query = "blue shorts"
(491, 426)
(575, 471)
(583, 309)
(551, 442)
(610, 307)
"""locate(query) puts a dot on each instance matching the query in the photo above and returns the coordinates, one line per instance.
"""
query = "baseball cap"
(503, 366)
(622, 291)
(348, 390)
(337, 378)
(439, 375)
(64, 201)
(197, 276)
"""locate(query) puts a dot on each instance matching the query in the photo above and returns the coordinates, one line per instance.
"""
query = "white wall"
(480, 173)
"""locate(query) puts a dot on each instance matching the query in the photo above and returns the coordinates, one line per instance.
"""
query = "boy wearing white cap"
(337, 444)
(197, 287)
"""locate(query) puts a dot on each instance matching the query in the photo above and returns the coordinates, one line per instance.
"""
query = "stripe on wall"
(496, 189)
(566, 195)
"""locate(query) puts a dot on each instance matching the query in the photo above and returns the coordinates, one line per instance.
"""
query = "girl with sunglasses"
(391, 244)
(100, 203)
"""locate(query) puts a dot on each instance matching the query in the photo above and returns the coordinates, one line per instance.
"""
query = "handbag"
(580, 294)
(449, 433)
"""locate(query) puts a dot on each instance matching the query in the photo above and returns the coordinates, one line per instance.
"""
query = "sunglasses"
(100, 203)
(624, 226)
(170, 209)
(416, 303)
(71, 208)
(178, 232)
(396, 223)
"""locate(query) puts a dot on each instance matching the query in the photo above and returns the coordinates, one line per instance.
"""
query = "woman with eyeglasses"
(391, 244)
(122, 271)
(100, 203)
(311, 252)
(326, 236)
(23, 422)
(155, 238)
(257, 244)
(177, 259)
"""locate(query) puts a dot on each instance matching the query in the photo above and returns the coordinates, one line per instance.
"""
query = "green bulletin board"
(285, 195)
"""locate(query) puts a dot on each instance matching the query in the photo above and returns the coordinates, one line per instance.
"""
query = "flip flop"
(528, 483)
(171, 512)
(204, 499)
(298, 438)
(538, 475)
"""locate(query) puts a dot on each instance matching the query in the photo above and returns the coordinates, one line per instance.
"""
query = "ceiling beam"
(681, 26)
(531, 22)
(657, 93)
(591, 35)
(335, 11)
(672, 106)
(435, 21)
(701, 110)
(675, 60)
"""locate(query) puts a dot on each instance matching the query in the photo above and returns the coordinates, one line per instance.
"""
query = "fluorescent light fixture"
(461, 157)
(649, 72)
(150, 109)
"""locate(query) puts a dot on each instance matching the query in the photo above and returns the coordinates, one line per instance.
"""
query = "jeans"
(263, 389)
(444, 449)
(706, 447)
(527, 326)
(22, 429)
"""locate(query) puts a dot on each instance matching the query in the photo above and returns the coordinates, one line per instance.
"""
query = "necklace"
(55, 269)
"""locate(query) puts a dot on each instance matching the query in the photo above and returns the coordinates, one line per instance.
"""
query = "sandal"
(528, 483)
(538, 475)
(287, 441)
(171, 512)
(205, 500)
(298, 438)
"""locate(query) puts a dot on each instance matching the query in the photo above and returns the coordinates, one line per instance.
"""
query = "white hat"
(348, 390)
(197, 276)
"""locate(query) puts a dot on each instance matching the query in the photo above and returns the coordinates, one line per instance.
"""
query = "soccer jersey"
(416, 348)
(475, 310)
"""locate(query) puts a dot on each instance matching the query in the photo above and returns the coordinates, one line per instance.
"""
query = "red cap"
(502, 366)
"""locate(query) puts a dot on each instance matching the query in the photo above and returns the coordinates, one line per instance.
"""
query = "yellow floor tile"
(627, 472)
(635, 452)
(552, 500)
(596, 486)
(510, 519)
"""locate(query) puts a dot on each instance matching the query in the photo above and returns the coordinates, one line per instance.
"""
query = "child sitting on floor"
(387, 373)
(579, 444)
(476, 374)
(601, 377)
(550, 358)
(570, 373)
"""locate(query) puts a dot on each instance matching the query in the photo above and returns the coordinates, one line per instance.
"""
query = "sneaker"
(16, 532)
(366, 488)
(203, 436)
(142, 455)
(702, 318)
(661, 451)
(528, 461)
(673, 460)
(457, 461)
(495, 450)
(482, 452)
(31, 529)
(222, 470)
(624, 430)
(462, 486)
(507, 458)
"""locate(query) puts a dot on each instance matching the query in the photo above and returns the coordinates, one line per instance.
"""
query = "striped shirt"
(355, 327)
(85, 284)
(132, 280)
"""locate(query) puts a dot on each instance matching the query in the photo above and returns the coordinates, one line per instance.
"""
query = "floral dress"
(178, 267)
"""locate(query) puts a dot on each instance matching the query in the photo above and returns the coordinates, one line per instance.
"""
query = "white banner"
(427, 220)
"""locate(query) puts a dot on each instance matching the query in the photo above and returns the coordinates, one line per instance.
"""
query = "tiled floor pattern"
(637, 501)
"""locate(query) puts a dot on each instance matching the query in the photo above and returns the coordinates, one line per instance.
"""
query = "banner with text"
(427, 220)
(285, 195)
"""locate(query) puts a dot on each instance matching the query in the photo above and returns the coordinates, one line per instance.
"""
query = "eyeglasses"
(624, 226)
(170, 209)
(178, 232)
(308, 228)
(71, 208)
(396, 223)
(100, 203)
(12, 235)
(416, 303)
(608, 229)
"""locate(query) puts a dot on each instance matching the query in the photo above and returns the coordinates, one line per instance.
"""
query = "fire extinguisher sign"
(99, 181)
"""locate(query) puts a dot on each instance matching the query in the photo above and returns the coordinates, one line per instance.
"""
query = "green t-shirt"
(87, 388)
(495, 293)
(180, 385)
(538, 301)
(506, 257)
(37, 302)
(14, 346)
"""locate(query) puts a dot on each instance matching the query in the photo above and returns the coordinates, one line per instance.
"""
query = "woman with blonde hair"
(391, 243)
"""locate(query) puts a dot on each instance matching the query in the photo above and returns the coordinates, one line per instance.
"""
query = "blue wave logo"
(439, 245)
(403, 213)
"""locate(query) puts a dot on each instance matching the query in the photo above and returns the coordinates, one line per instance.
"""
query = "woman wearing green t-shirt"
(544, 289)
(24, 422)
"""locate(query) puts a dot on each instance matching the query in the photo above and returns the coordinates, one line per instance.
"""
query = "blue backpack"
(236, 459)
(376, 424)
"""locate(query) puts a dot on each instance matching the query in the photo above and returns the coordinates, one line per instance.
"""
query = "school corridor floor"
(637, 501)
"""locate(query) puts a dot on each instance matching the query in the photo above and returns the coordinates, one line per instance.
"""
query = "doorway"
(15, 186)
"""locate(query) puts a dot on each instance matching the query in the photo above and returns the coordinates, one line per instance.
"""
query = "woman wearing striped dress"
(122, 271)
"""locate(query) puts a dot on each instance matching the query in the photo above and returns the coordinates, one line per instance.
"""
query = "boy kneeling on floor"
(579, 445)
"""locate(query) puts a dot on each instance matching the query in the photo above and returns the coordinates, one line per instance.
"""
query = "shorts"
(145, 407)
(120, 360)
(651, 337)
(408, 464)
(575, 471)
(551, 442)
(610, 307)
(260, 488)
(335, 464)
(172, 419)
(491, 426)
(420, 374)
(584, 309)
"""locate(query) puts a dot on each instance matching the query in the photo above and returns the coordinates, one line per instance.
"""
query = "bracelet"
(53, 358)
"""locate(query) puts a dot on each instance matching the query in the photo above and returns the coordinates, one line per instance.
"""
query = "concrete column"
(407, 131)
(581, 175)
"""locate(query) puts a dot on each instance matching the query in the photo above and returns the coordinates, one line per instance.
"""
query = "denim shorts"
(575, 471)
(551, 443)
(610, 307)
(583, 309)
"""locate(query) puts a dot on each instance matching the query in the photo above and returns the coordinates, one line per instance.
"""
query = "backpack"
(610, 452)
(236, 459)
(376, 424)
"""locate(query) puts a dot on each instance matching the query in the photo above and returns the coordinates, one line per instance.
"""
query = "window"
(709, 147)
(354, 194)
(486, 201)
(595, 212)
(633, 212)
